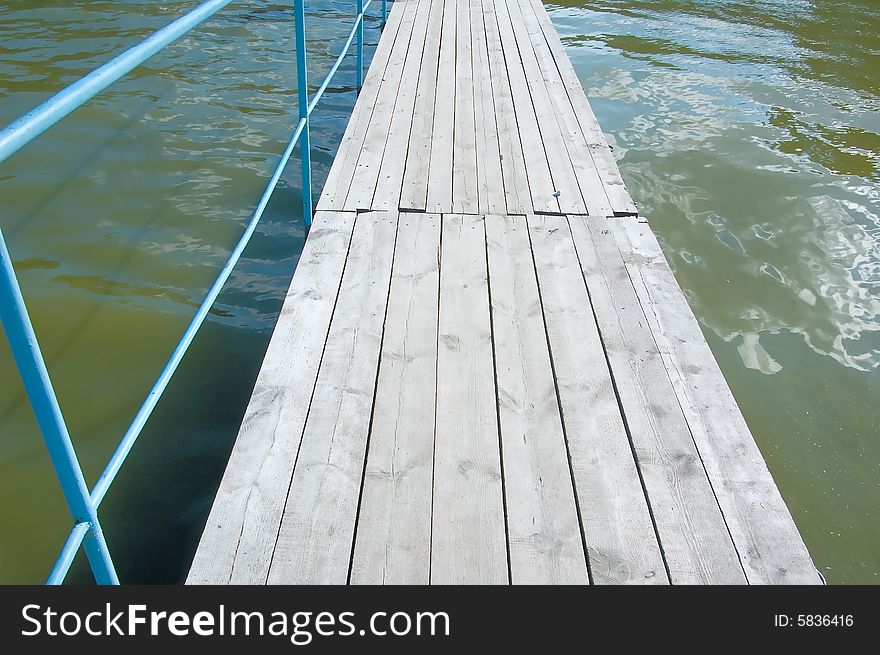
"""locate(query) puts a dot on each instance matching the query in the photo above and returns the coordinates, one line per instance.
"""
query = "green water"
(747, 131)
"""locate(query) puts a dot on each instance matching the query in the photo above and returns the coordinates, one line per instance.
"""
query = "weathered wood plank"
(414, 191)
(588, 179)
(618, 529)
(693, 534)
(393, 544)
(239, 536)
(315, 541)
(372, 151)
(517, 194)
(768, 542)
(440, 167)
(390, 179)
(541, 181)
(564, 179)
(464, 159)
(621, 202)
(468, 535)
(490, 181)
(340, 175)
(544, 534)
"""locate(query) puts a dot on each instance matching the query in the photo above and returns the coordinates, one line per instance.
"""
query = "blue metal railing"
(83, 504)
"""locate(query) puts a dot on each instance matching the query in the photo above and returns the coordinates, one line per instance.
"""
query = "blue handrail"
(84, 505)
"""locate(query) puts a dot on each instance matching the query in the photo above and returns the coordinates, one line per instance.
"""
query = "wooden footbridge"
(484, 370)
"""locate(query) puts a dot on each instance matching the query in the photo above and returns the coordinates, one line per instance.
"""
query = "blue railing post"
(35, 376)
(384, 11)
(302, 82)
(360, 44)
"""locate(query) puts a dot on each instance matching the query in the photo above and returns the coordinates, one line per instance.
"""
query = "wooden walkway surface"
(484, 370)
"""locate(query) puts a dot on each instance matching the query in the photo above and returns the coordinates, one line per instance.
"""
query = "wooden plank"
(541, 181)
(588, 179)
(564, 178)
(439, 182)
(693, 534)
(393, 544)
(366, 173)
(468, 533)
(621, 202)
(464, 159)
(339, 179)
(315, 541)
(770, 547)
(414, 191)
(390, 178)
(240, 533)
(517, 194)
(544, 534)
(490, 181)
(618, 529)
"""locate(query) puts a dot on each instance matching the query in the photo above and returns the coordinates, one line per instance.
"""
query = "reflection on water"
(749, 133)
(118, 220)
